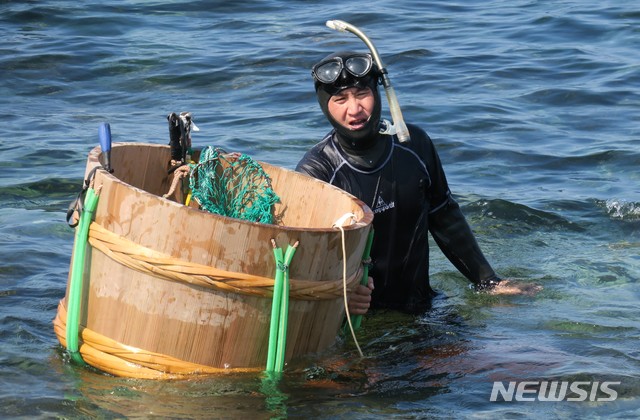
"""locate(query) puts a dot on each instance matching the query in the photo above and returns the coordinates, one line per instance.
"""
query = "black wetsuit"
(407, 190)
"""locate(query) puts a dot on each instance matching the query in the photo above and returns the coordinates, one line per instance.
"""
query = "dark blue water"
(535, 110)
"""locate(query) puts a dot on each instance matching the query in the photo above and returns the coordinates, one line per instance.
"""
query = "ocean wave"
(622, 209)
(527, 218)
(573, 97)
(50, 194)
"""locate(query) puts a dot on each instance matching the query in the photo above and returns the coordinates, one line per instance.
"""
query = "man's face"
(352, 107)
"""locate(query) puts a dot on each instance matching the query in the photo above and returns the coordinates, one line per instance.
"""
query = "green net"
(232, 186)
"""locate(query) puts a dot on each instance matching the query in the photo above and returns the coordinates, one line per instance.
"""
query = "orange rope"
(119, 359)
(160, 265)
(178, 174)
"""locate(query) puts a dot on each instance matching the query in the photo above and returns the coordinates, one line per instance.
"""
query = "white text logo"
(382, 206)
(554, 391)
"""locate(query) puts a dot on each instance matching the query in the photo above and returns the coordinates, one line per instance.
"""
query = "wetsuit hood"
(365, 137)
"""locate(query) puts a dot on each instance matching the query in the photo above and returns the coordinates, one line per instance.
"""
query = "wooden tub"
(171, 290)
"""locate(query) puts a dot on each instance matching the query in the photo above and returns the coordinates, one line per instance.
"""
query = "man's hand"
(360, 299)
(510, 287)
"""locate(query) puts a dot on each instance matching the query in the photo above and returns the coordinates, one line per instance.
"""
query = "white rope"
(339, 224)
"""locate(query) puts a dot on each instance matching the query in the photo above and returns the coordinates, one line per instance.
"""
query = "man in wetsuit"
(403, 183)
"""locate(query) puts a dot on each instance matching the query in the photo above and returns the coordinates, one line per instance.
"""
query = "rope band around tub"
(148, 261)
(119, 359)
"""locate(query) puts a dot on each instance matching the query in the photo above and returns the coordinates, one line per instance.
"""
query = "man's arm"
(453, 235)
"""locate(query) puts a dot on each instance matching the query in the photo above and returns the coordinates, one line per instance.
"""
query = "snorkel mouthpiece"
(394, 106)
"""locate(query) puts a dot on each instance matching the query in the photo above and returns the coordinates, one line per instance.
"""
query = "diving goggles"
(328, 71)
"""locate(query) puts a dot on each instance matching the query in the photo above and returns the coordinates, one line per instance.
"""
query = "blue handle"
(105, 137)
(105, 144)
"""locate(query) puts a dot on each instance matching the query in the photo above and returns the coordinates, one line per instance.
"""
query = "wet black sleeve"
(453, 235)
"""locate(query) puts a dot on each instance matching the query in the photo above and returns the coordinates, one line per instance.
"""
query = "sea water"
(534, 107)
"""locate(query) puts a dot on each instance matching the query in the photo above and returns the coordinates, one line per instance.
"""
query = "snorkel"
(394, 106)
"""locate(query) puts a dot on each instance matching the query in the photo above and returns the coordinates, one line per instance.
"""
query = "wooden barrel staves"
(170, 290)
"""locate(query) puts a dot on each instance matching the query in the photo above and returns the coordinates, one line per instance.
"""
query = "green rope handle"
(275, 308)
(279, 309)
(77, 273)
(356, 320)
(284, 310)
